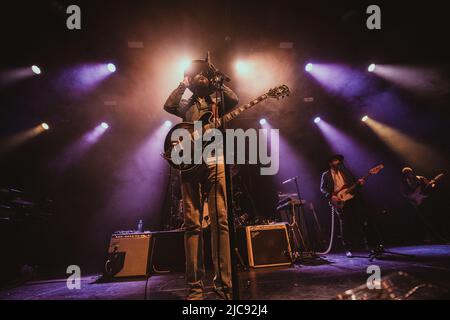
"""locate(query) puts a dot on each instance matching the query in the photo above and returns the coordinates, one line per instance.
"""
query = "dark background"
(85, 214)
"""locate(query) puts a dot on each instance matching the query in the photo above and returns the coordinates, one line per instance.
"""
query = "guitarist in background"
(208, 179)
(351, 217)
(418, 190)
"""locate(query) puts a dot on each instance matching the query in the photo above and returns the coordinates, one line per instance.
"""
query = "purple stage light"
(77, 149)
(344, 81)
(420, 79)
(11, 76)
(356, 153)
(81, 79)
(168, 124)
(372, 67)
(36, 69)
(140, 179)
(262, 121)
(317, 120)
(293, 164)
(111, 67)
(309, 67)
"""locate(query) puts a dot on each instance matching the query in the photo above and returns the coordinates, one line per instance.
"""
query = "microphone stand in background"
(307, 254)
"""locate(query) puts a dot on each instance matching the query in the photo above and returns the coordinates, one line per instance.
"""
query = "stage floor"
(429, 263)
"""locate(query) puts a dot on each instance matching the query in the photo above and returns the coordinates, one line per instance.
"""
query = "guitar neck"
(237, 111)
(353, 187)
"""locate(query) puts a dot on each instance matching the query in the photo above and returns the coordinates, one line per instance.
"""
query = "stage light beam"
(415, 153)
(262, 121)
(365, 118)
(309, 67)
(372, 67)
(317, 120)
(168, 124)
(104, 125)
(45, 126)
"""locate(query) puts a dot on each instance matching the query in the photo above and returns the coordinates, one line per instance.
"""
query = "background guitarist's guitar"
(423, 191)
(348, 192)
(208, 123)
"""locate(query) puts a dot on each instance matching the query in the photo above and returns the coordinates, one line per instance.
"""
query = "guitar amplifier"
(129, 254)
(268, 245)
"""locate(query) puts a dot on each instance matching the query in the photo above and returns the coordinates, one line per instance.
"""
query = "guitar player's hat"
(339, 157)
(407, 170)
(200, 66)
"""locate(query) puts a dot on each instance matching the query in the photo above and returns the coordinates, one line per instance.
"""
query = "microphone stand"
(312, 255)
(218, 81)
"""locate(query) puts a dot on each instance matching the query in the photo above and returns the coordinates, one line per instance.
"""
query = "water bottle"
(140, 225)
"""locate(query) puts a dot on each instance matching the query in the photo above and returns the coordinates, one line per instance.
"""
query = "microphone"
(290, 180)
(218, 76)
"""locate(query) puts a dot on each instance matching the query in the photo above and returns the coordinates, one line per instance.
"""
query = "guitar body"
(417, 197)
(347, 193)
(170, 145)
(344, 195)
(422, 192)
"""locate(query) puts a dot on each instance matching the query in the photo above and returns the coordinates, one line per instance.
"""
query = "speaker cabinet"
(268, 246)
(129, 254)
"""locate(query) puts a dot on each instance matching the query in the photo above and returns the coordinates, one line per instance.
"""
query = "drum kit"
(17, 206)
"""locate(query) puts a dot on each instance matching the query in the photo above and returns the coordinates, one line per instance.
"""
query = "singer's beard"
(200, 89)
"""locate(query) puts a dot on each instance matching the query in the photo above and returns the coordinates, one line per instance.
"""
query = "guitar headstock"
(279, 92)
(376, 169)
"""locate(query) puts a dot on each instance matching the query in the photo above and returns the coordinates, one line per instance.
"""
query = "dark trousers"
(353, 225)
(193, 185)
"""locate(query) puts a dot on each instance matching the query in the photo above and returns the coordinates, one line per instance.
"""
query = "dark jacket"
(191, 110)
(327, 183)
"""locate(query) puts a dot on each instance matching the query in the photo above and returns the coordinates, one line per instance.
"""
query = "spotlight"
(36, 69)
(104, 125)
(372, 67)
(45, 126)
(242, 67)
(317, 120)
(184, 64)
(168, 124)
(365, 118)
(309, 67)
(111, 67)
(262, 121)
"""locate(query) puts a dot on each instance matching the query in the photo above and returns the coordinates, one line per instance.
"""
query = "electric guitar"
(347, 193)
(208, 122)
(423, 191)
